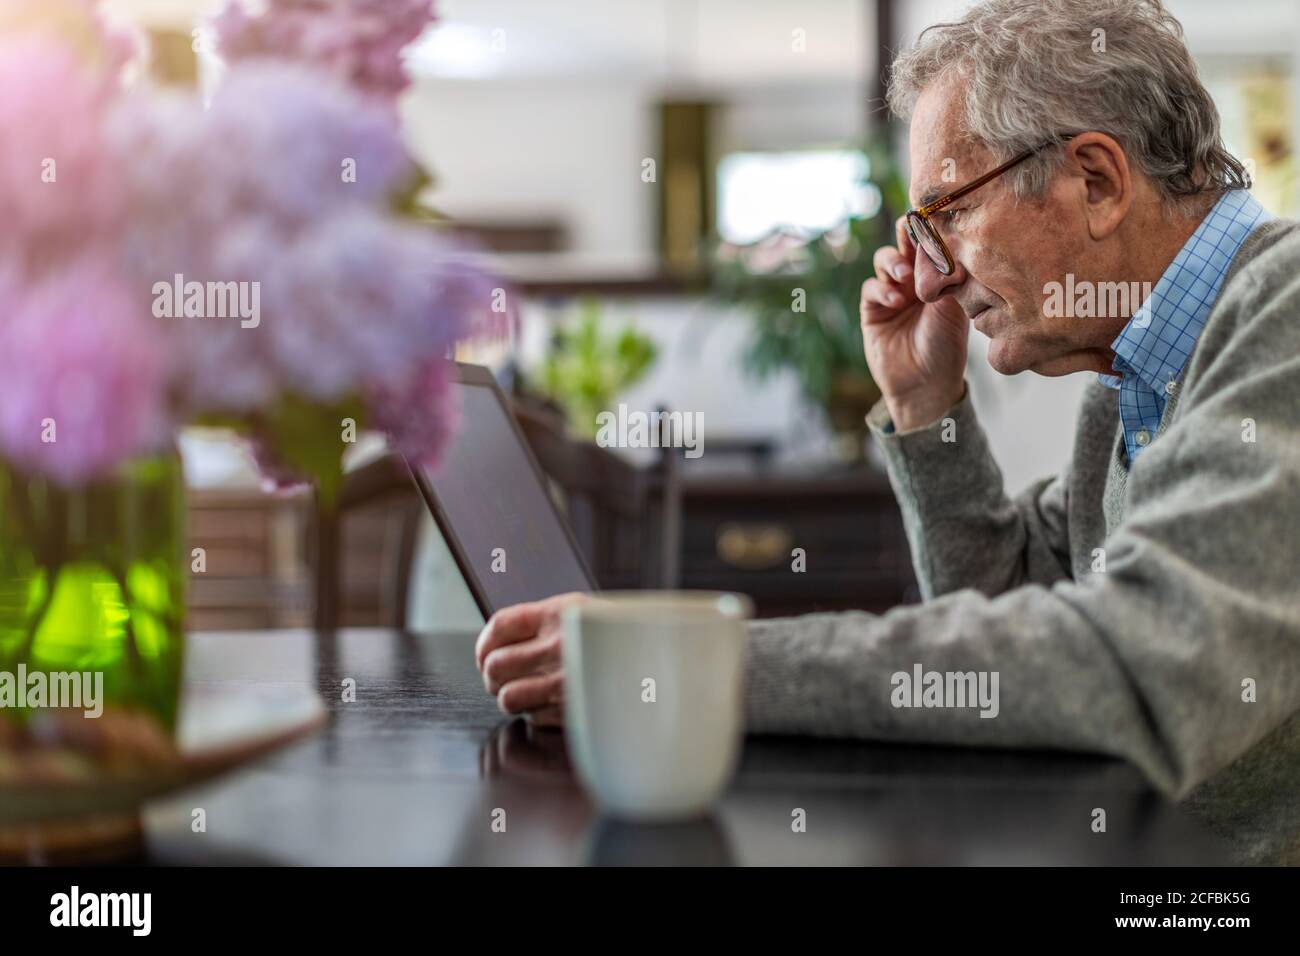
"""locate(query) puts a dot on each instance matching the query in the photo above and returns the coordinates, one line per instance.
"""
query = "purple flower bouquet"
(166, 261)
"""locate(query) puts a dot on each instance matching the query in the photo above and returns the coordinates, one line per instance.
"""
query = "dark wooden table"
(417, 768)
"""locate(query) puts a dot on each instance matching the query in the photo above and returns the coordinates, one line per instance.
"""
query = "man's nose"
(931, 284)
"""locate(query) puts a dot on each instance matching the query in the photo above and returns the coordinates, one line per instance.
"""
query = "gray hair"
(1037, 68)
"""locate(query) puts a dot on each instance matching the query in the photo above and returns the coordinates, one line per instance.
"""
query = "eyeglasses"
(922, 230)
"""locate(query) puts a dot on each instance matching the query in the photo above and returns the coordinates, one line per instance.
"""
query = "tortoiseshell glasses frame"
(922, 231)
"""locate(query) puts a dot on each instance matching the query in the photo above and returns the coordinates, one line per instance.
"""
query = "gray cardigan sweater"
(1152, 658)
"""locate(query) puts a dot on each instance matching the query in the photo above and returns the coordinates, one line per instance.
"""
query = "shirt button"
(1171, 387)
(1143, 437)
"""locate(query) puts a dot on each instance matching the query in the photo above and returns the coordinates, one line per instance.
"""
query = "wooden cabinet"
(797, 544)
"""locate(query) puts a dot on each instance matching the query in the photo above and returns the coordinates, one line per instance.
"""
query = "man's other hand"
(518, 654)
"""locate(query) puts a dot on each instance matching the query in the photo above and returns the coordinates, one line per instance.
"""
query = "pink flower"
(283, 186)
(85, 374)
(418, 412)
(358, 41)
(278, 145)
(351, 301)
(284, 182)
(59, 186)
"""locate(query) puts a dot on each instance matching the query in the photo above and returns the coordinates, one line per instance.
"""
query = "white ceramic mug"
(654, 698)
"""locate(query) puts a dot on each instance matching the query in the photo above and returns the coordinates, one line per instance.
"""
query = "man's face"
(1006, 251)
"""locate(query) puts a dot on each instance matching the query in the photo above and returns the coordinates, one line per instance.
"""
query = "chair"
(383, 489)
(626, 519)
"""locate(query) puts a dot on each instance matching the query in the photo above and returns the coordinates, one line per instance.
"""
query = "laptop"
(490, 501)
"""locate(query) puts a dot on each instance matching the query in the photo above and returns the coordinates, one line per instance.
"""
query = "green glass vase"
(92, 582)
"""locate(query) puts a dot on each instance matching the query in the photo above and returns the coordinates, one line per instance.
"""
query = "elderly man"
(1145, 602)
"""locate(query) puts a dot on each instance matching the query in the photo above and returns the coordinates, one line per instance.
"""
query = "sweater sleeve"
(1180, 656)
(962, 528)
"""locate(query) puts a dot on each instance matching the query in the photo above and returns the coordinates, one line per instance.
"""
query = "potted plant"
(802, 292)
(585, 370)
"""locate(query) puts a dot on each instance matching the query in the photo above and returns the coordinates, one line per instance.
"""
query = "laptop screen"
(493, 509)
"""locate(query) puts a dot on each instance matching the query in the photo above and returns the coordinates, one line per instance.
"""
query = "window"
(807, 190)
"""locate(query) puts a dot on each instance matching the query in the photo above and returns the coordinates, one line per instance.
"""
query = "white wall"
(521, 149)
(572, 149)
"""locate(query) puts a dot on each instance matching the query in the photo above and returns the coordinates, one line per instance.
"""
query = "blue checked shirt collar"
(1154, 346)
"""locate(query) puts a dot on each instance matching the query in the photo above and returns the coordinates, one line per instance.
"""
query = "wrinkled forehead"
(942, 156)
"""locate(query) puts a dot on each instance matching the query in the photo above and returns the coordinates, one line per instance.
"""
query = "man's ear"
(1103, 171)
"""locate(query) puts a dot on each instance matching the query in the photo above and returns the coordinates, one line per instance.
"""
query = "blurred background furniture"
(246, 553)
(798, 543)
(363, 549)
(626, 519)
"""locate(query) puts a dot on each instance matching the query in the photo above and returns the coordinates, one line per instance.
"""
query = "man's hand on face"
(916, 349)
(518, 654)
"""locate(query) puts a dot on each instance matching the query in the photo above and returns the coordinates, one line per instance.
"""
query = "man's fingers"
(520, 660)
(515, 652)
(518, 623)
(881, 299)
(891, 265)
(894, 283)
(531, 693)
(903, 235)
